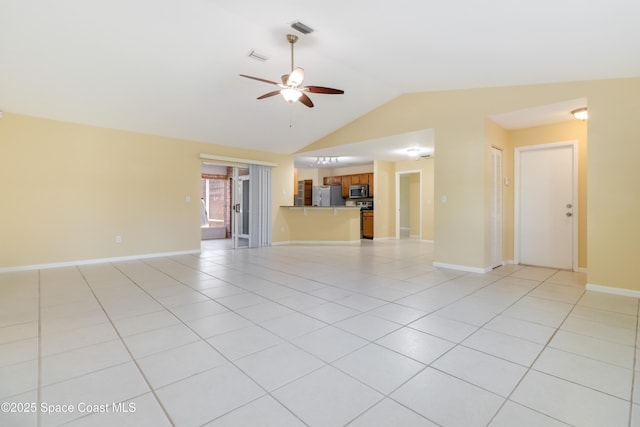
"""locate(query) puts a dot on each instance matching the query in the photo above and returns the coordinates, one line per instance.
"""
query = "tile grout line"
(39, 373)
(530, 367)
(459, 344)
(635, 362)
(204, 339)
(387, 395)
(133, 359)
(286, 340)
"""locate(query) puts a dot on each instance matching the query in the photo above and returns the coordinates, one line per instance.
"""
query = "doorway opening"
(224, 205)
(409, 204)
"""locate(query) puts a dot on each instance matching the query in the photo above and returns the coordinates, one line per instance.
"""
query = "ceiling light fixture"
(290, 95)
(324, 161)
(414, 152)
(581, 113)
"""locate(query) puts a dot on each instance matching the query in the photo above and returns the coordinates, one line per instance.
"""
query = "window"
(216, 193)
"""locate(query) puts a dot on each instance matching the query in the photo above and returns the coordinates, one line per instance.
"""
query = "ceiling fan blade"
(267, 95)
(305, 100)
(296, 77)
(259, 79)
(321, 89)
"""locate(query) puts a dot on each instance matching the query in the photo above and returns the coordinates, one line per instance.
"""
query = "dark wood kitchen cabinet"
(367, 225)
(332, 180)
(303, 195)
(347, 180)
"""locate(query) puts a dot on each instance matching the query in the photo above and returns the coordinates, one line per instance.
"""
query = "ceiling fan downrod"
(292, 38)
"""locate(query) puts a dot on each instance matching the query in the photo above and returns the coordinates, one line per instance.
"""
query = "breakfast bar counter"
(322, 224)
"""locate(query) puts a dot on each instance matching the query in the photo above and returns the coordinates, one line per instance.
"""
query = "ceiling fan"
(290, 88)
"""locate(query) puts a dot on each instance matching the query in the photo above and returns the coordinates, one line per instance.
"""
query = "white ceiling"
(171, 68)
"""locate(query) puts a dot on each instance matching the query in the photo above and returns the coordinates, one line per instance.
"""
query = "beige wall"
(613, 203)
(414, 213)
(463, 166)
(68, 190)
(384, 223)
(312, 174)
(59, 166)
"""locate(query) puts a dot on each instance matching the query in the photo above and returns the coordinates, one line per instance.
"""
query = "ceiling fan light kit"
(290, 88)
(291, 95)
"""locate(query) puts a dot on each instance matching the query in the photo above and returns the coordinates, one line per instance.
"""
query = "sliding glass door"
(241, 194)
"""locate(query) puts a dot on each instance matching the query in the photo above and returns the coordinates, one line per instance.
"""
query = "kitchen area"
(348, 191)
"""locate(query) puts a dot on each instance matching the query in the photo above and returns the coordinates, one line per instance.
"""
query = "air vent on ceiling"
(258, 55)
(304, 29)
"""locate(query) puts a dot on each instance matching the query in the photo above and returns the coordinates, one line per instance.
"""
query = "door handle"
(236, 208)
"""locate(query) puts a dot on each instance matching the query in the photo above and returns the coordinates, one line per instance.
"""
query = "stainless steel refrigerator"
(327, 195)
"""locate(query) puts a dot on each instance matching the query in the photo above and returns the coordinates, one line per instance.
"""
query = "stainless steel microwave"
(358, 191)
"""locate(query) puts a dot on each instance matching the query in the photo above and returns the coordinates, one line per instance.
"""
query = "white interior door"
(545, 199)
(496, 209)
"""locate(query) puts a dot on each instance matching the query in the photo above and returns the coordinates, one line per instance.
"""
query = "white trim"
(462, 267)
(95, 261)
(614, 291)
(497, 206)
(316, 242)
(236, 160)
(516, 181)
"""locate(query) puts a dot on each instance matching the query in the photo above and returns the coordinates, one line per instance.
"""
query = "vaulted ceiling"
(171, 68)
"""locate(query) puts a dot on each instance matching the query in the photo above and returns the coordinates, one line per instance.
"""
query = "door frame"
(497, 208)
(397, 207)
(238, 196)
(517, 181)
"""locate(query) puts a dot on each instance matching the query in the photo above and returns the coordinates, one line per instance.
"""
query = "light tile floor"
(368, 335)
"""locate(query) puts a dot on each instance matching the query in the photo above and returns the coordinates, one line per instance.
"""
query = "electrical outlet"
(118, 239)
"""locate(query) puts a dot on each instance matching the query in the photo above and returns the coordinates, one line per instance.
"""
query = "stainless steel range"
(364, 206)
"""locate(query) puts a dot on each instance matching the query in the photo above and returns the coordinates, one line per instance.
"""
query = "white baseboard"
(316, 242)
(614, 291)
(95, 261)
(462, 267)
